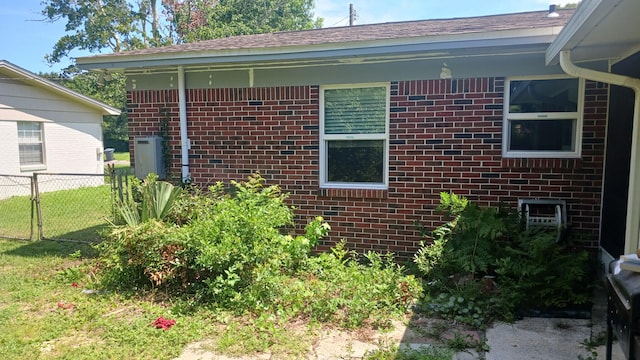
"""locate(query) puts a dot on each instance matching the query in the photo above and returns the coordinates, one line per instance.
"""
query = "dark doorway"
(618, 156)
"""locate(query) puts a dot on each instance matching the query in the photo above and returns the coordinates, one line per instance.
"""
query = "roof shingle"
(370, 32)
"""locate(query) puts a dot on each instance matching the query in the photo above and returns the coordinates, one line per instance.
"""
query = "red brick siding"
(445, 135)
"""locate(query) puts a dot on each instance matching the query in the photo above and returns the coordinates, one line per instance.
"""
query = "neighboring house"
(366, 125)
(45, 127)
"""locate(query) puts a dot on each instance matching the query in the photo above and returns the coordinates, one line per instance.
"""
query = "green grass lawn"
(46, 314)
(122, 167)
(15, 217)
(51, 308)
(76, 214)
(121, 156)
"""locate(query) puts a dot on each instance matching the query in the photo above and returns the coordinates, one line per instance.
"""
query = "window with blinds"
(354, 136)
(30, 143)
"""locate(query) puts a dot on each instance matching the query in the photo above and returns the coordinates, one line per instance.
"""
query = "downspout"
(184, 136)
(632, 231)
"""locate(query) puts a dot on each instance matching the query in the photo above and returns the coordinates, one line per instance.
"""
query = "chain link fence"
(57, 206)
(16, 207)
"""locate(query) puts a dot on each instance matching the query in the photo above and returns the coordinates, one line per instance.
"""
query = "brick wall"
(445, 135)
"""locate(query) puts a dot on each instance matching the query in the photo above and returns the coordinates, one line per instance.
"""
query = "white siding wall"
(9, 160)
(72, 131)
(73, 148)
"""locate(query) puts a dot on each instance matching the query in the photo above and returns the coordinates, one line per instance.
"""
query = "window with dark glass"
(543, 117)
(354, 136)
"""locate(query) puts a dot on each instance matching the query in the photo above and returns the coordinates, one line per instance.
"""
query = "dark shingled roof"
(372, 32)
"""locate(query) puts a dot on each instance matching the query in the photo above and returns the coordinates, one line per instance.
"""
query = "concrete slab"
(526, 339)
(543, 339)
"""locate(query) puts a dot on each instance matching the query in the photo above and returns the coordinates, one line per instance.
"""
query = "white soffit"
(599, 30)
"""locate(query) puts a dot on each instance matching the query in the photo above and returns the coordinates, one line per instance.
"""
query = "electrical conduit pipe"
(184, 136)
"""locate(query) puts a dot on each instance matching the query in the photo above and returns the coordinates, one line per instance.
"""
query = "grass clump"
(394, 352)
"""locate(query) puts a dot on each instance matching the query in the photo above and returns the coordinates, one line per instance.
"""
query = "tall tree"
(196, 20)
(121, 25)
(96, 25)
(106, 87)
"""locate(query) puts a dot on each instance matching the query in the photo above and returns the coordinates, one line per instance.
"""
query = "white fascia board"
(33, 79)
(387, 47)
(586, 18)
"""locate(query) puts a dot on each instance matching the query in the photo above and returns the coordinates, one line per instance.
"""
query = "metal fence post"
(33, 207)
(38, 208)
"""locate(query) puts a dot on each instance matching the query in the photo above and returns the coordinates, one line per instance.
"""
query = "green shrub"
(230, 250)
(539, 272)
(483, 265)
(219, 250)
(148, 254)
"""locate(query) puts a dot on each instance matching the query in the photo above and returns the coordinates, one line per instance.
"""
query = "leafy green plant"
(230, 250)
(371, 288)
(156, 199)
(483, 265)
(539, 272)
(461, 342)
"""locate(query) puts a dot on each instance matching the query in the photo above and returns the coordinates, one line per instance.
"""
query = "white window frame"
(325, 138)
(32, 167)
(578, 116)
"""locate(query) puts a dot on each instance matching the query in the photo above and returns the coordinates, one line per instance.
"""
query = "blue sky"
(27, 39)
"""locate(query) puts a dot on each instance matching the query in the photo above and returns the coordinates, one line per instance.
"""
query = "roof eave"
(362, 49)
(589, 15)
(31, 78)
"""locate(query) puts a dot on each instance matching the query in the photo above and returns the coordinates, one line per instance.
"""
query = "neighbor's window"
(30, 144)
(354, 136)
(543, 117)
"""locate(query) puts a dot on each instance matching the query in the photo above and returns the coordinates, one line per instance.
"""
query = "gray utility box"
(148, 157)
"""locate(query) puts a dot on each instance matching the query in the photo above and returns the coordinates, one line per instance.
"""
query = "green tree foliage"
(106, 87)
(121, 25)
(96, 25)
(197, 20)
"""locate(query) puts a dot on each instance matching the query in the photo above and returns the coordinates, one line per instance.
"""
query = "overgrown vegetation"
(484, 265)
(224, 266)
(227, 248)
